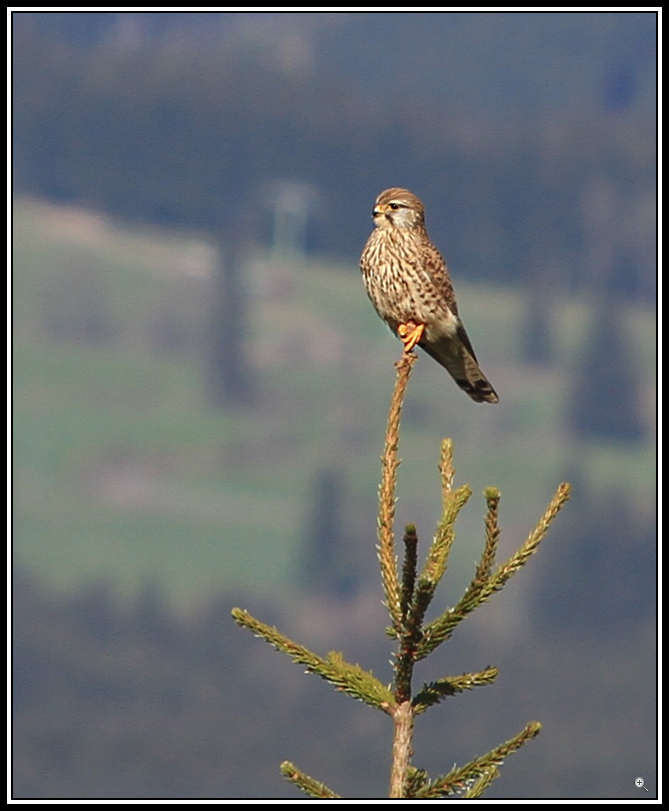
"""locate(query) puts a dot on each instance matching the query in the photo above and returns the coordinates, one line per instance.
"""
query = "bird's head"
(398, 208)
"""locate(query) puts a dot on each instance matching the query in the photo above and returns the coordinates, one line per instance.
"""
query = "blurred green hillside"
(125, 473)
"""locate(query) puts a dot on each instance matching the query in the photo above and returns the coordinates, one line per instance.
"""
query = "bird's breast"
(397, 283)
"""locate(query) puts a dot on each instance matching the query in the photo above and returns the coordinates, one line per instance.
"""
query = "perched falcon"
(408, 283)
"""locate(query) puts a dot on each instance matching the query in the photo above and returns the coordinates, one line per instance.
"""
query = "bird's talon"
(410, 334)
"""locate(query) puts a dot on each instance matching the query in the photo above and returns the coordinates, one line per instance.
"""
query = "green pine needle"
(459, 779)
(435, 691)
(310, 786)
(347, 678)
(481, 784)
(485, 584)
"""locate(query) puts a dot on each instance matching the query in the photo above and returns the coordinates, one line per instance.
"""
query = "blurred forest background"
(201, 386)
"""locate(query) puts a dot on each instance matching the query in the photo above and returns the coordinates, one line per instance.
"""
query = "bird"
(408, 283)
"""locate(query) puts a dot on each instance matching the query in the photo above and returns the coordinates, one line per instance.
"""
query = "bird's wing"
(436, 270)
(434, 267)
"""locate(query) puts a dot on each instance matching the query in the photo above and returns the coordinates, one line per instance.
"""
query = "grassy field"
(124, 473)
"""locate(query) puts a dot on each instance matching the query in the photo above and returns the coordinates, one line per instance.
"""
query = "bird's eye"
(394, 206)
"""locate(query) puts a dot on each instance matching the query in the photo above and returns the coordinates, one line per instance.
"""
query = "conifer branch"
(481, 784)
(462, 778)
(492, 533)
(389, 466)
(409, 568)
(414, 606)
(310, 786)
(355, 681)
(410, 630)
(437, 557)
(535, 537)
(435, 691)
(407, 601)
(416, 779)
(347, 678)
(485, 584)
(440, 629)
(446, 470)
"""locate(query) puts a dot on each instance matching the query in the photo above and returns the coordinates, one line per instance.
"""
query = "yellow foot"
(410, 334)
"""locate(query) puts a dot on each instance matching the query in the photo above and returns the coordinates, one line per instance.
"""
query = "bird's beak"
(379, 211)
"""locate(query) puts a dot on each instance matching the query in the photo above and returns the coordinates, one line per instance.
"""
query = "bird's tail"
(459, 359)
(474, 382)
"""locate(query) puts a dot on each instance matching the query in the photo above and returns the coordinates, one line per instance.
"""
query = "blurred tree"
(230, 379)
(325, 564)
(605, 401)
